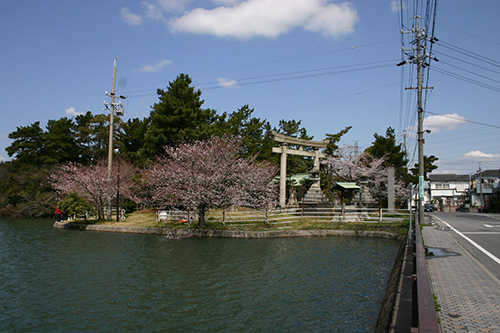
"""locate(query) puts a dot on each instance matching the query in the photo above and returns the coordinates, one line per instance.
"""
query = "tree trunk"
(201, 217)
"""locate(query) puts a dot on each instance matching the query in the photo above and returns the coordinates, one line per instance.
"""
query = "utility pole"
(418, 58)
(481, 188)
(118, 109)
(420, 127)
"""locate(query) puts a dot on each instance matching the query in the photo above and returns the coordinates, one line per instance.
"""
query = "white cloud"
(396, 6)
(72, 112)
(156, 67)
(447, 122)
(153, 12)
(226, 2)
(130, 18)
(223, 82)
(477, 155)
(3, 159)
(269, 18)
(174, 5)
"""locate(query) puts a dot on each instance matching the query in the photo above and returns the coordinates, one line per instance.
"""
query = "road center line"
(471, 241)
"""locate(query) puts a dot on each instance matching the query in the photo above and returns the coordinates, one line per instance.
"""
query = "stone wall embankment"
(183, 233)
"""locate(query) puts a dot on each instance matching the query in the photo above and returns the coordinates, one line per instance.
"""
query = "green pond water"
(54, 280)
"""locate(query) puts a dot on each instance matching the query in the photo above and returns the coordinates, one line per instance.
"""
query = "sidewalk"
(468, 294)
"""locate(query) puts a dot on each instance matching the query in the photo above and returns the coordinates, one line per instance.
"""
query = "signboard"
(421, 187)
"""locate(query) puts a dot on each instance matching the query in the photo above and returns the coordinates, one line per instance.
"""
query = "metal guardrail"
(424, 317)
(290, 215)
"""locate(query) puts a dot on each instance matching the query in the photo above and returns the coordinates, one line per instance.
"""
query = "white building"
(449, 190)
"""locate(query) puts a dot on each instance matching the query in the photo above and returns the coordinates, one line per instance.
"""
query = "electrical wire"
(470, 54)
(296, 75)
(466, 62)
(277, 61)
(466, 79)
(463, 120)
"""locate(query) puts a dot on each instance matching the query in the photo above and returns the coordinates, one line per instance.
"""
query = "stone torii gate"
(283, 149)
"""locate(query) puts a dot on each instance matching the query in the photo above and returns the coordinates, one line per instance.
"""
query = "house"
(449, 190)
(484, 185)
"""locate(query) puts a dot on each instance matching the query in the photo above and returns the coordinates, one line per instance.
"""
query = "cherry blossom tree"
(346, 165)
(91, 182)
(209, 174)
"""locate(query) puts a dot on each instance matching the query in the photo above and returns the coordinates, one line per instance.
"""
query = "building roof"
(488, 173)
(346, 186)
(448, 178)
(297, 178)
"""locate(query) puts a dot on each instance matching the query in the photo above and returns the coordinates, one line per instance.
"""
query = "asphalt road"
(478, 233)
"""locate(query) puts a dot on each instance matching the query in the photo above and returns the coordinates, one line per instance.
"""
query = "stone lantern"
(363, 182)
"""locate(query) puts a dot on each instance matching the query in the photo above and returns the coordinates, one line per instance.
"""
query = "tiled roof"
(448, 177)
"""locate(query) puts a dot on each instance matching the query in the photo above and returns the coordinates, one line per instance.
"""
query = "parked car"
(427, 208)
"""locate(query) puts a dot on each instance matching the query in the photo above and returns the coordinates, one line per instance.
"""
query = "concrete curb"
(184, 233)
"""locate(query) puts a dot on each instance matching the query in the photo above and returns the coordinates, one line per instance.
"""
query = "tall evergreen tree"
(132, 139)
(334, 139)
(394, 154)
(295, 164)
(177, 117)
(252, 130)
(429, 166)
(60, 142)
(28, 146)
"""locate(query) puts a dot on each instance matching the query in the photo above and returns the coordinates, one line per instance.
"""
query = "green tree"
(334, 139)
(131, 139)
(295, 164)
(429, 166)
(25, 192)
(60, 142)
(99, 127)
(177, 117)
(252, 130)
(28, 146)
(326, 182)
(83, 135)
(74, 205)
(394, 154)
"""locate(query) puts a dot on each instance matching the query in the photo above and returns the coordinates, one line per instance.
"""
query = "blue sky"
(330, 64)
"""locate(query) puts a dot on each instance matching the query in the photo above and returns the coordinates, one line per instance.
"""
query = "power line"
(470, 72)
(298, 74)
(463, 119)
(466, 79)
(466, 33)
(466, 62)
(470, 54)
(278, 61)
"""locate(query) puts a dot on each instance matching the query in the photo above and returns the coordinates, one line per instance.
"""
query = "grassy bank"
(147, 218)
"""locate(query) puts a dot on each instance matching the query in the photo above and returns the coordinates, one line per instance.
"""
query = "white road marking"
(472, 242)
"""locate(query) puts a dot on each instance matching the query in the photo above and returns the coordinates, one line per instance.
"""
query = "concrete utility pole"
(420, 127)
(418, 58)
(118, 109)
(481, 188)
